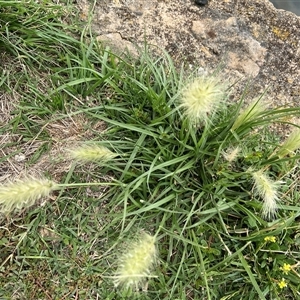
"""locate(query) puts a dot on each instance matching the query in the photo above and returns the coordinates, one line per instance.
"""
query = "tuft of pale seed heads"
(24, 193)
(201, 98)
(291, 144)
(268, 191)
(252, 111)
(136, 262)
(231, 154)
(91, 153)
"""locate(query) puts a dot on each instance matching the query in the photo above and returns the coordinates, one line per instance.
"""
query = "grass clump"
(34, 32)
(212, 185)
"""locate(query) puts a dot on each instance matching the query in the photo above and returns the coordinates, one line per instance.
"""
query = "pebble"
(201, 2)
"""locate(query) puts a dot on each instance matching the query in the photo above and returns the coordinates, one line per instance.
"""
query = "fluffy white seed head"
(268, 191)
(291, 144)
(231, 154)
(136, 262)
(91, 153)
(201, 98)
(24, 193)
(252, 111)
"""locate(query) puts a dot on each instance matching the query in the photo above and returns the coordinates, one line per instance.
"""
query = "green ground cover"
(206, 178)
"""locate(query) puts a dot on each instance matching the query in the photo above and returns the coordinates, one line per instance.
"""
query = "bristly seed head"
(250, 113)
(201, 98)
(231, 154)
(24, 193)
(91, 153)
(291, 144)
(136, 263)
(268, 191)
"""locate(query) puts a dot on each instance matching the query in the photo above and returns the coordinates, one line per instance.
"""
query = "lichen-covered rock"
(251, 39)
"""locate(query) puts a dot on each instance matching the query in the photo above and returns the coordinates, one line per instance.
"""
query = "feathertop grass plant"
(91, 153)
(136, 262)
(173, 176)
(24, 193)
(268, 191)
(201, 98)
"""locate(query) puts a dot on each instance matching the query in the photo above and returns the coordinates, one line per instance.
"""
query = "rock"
(117, 44)
(251, 39)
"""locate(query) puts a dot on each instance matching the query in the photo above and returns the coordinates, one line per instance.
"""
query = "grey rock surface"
(252, 40)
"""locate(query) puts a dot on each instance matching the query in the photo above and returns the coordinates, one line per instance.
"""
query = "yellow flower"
(271, 239)
(286, 268)
(282, 284)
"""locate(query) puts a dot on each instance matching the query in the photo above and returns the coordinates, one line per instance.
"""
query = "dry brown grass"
(63, 133)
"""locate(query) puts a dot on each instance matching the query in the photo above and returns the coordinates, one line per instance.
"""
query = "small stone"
(201, 2)
(20, 157)
(198, 28)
